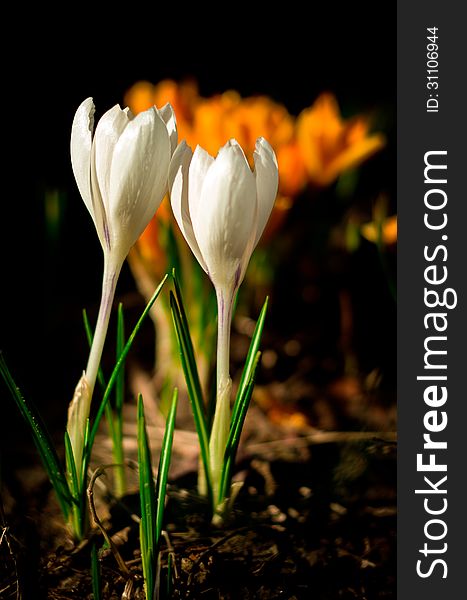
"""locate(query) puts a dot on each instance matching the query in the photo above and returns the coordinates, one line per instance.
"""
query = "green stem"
(221, 421)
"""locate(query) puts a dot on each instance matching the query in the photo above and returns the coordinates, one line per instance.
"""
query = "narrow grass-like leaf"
(188, 361)
(187, 337)
(147, 494)
(109, 417)
(193, 387)
(42, 440)
(76, 486)
(236, 430)
(212, 397)
(84, 464)
(120, 345)
(89, 337)
(146, 561)
(76, 518)
(117, 413)
(250, 359)
(71, 467)
(95, 573)
(116, 370)
(164, 464)
(169, 575)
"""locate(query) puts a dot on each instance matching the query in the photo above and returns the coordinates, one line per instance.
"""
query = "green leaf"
(147, 560)
(192, 381)
(164, 464)
(212, 396)
(236, 430)
(116, 370)
(95, 573)
(71, 467)
(109, 417)
(186, 332)
(188, 361)
(77, 487)
(241, 404)
(168, 591)
(120, 383)
(84, 465)
(115, 416)
(147, 494)
(250, 359)
(42, 440)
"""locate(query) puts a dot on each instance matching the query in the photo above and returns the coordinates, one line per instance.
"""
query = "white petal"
(225, 220)
(108, 131)
(200, 164)
(80, 148)
(178, 188)
(138, 178)
(267, 179)
(168, 116)
(232, 143)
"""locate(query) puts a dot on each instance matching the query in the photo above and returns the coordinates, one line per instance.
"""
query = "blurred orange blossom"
(316, 147)
(387, 229)
(330, 145)
(211, 122)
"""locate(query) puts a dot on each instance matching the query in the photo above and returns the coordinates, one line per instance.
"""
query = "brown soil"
(318, 520)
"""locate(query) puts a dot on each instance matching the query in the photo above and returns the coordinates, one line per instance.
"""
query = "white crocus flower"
(222, 208)
(121, 170)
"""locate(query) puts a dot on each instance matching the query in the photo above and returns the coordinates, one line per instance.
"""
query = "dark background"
(60, 59)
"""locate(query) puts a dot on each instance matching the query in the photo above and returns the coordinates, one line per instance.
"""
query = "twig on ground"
(90, 491)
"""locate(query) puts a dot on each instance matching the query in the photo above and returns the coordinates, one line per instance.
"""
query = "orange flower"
(140, 96)
(330, 145)
(149, 249)
(260, 116)
(182, 96)
(228, 115)
(388, 228)
(211, 122)
(317, 147)
(214, 122)
(292, 171)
